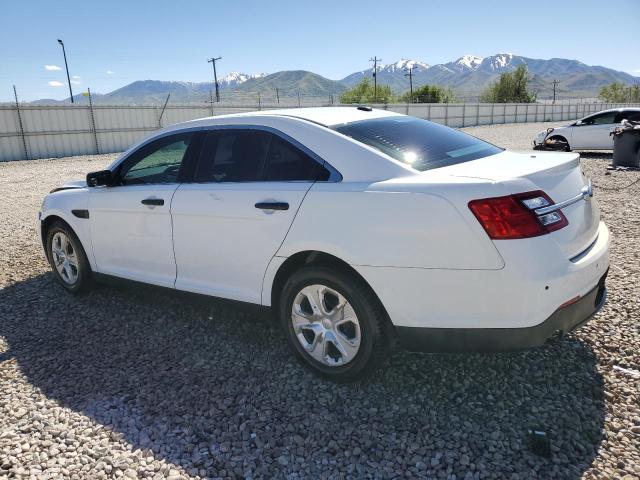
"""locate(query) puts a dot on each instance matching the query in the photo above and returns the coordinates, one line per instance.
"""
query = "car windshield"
(419, 143)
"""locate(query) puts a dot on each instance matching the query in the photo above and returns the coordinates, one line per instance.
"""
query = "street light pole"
(66, 66)
(215, 75)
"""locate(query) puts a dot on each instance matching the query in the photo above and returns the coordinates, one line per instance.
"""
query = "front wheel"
(334, 323)
(560, 143)
(67, 258)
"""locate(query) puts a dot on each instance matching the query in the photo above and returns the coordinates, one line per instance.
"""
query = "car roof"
(326, 116)
(622, 109)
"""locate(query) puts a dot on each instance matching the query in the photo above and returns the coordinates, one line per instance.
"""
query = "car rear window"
(419, 143)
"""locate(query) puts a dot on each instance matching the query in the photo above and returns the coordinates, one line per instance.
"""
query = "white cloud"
(55, 83)
(110, 72)
(76, 77)
(75, 80)
(52, 68)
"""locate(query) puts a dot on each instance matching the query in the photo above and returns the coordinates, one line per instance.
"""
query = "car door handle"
(272, 205)
(153, 201)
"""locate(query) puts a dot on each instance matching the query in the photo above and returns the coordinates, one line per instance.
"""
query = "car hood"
(71, 184)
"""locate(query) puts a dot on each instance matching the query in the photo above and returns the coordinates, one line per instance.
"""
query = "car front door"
(130, 222)
(593, 132)
(230, 221)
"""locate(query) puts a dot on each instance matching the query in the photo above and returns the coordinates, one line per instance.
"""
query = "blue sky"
(112, 43)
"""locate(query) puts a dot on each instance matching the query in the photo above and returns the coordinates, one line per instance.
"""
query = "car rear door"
(230, 221)
(131, 223)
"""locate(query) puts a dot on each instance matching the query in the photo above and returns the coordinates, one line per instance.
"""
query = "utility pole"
(410, 75)
(555, 82)
(66, 66)
(375, 61)
(277, 95)
(215, 75)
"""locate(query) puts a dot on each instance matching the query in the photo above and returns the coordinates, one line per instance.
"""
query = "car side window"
(629, 115)
(233, 156)
(156, 162)
(254, 155)
(602, 119)
(286, 163)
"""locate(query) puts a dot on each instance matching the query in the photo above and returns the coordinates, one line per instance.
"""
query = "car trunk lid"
(559, 175)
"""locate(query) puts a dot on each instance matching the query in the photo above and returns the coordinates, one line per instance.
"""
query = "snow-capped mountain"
(392, 74)
(402, 65)
(233, 79)
(468, 62)
(499, 61)
(470, 74)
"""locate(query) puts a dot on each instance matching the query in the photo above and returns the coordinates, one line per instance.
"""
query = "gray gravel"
(140, 383)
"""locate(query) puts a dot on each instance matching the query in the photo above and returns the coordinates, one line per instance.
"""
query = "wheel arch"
(562, 138)
(305, 258)
(46, 223)
(81, 233)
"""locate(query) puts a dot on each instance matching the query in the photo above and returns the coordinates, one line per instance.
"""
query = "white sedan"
(588, 133)
(358, 227)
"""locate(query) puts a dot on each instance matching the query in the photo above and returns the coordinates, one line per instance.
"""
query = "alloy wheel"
(326, 325)
(64, 258)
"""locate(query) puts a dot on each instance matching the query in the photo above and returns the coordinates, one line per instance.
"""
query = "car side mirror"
(578, 123)
(102, 177)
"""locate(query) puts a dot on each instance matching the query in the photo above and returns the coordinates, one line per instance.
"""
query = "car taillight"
(514, 216)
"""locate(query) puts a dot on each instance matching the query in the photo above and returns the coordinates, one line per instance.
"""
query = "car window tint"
(603, 119)
(157, 162)
(418, 143)
(631, 116)
(285, 162)
(233, 156)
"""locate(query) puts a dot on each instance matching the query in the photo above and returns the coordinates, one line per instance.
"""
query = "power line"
(375, 61)
(215, 75)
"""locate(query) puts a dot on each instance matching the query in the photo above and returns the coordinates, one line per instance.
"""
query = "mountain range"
(468, 76)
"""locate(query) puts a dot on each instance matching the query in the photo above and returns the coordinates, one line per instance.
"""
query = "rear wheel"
(67, 258)
(334, 323)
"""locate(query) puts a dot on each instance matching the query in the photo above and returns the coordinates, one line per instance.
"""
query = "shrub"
(363, 92)
(620, 93)
(430, 94)
(510, 88)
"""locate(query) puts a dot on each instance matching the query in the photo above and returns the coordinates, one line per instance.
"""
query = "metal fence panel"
(63, 130)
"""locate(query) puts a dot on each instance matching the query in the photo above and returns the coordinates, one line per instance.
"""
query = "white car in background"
(357, 226)
(588, 133)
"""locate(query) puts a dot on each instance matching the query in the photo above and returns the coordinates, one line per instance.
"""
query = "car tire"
(334, 323)
(67, 258)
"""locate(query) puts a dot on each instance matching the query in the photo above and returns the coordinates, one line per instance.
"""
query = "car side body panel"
(417, 229)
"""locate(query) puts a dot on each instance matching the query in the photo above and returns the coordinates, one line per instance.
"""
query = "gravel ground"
(141, 383)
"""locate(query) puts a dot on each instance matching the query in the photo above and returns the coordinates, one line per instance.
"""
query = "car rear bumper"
(563, 320)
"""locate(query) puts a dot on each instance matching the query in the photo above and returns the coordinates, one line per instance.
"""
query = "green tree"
(620, 93)
(430, 94)
(363, 92)
(510, 88)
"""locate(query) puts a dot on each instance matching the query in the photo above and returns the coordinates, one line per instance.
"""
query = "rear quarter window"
(421, 144)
